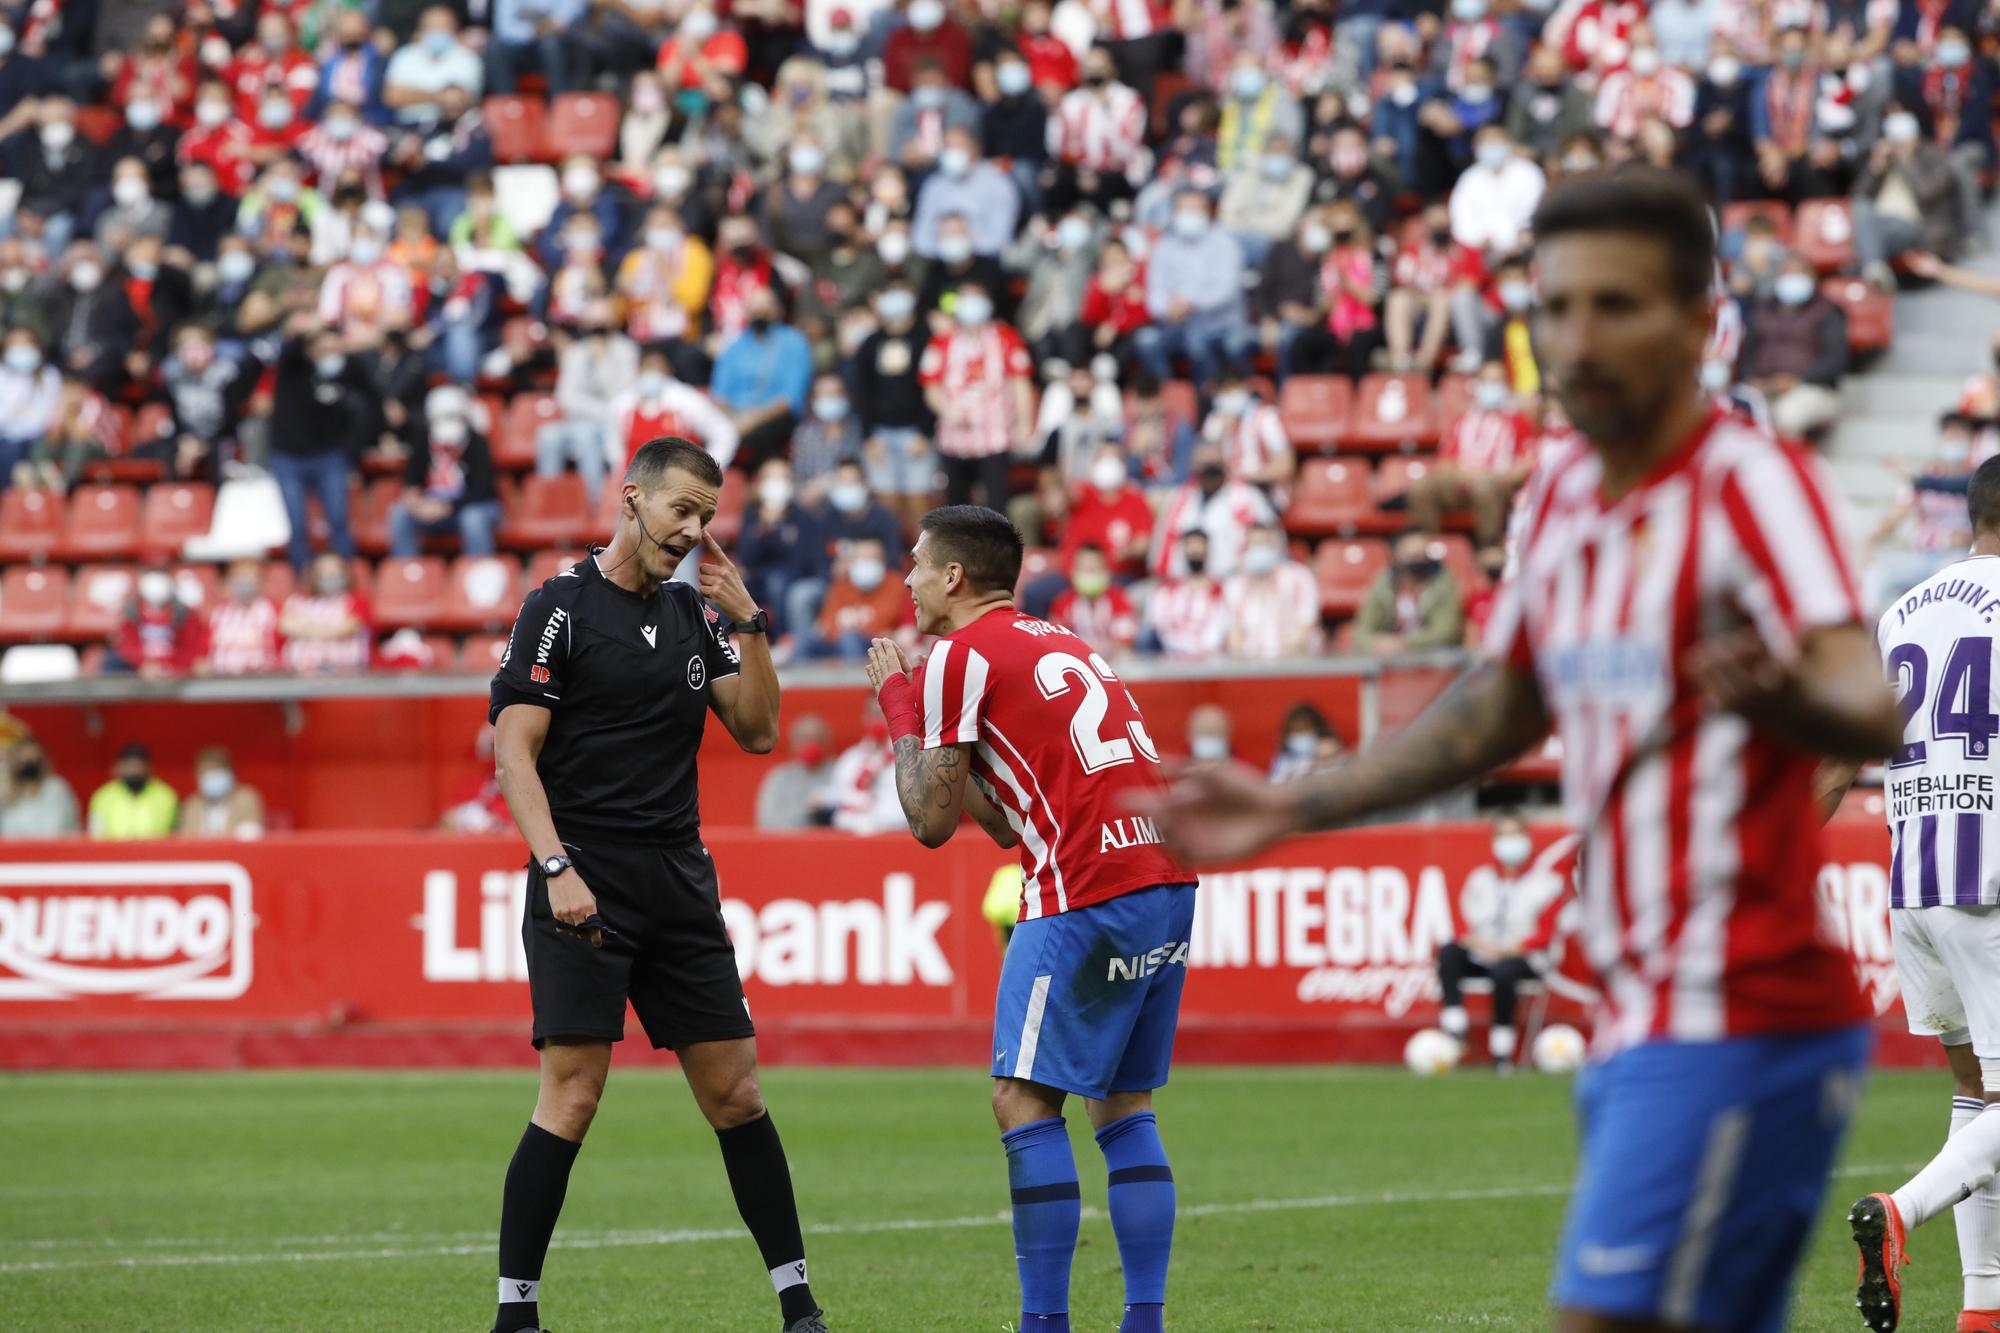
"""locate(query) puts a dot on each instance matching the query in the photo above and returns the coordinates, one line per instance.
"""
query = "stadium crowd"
(1216, 298)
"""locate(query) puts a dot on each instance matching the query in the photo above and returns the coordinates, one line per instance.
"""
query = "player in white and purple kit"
(1944, 899)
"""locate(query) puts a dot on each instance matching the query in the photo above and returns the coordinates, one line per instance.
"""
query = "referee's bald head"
(655, 458)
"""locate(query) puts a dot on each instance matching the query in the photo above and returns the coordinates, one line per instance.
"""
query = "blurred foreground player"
(1090, 991)
(1944, 911)
(1684, 615)
(598, 709)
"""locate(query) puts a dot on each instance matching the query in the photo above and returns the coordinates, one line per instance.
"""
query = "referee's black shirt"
(627, 679)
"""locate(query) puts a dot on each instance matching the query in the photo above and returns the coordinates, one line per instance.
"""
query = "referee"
(598, 710)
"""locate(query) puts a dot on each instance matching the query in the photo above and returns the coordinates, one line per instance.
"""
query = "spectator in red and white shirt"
(1095, 608)
(273, 61)
(243, 627)
(1273, 601)
(367, 294)
(1485, 456)
(326, 624)
(343, 144)
(1645, 89)
(1255, 449)
(1112, 515)
(1186, 616)
(159, 635)
(275, 128)
(1435, 285)
(658, 404)
(976, 379)
(156, 73)
(1099, 128)
(1210, 502)
(218, 139)
(861, 790)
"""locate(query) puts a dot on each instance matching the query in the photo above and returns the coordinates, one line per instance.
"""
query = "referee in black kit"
(598, 710)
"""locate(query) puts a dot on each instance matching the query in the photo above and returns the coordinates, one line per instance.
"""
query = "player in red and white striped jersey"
(1018, 722)
(1682, 612)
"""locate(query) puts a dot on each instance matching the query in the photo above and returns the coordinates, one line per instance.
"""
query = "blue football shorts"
(1089, 998)
(1701, 1171)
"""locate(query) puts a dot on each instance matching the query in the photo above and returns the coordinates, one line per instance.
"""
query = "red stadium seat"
(545, 565)
(516, 127)
(1871, 312)
(278, 581)
(1314, 409)
(1824, 233)
(198, 585)
(1736, 216)
(481, 654)
(514, 441)
(173, 514)
(98, 595)
(154, 421)
(409, 591)
(1393, 478)
(550, 511)
(368, 514)
(103, 524)
(133, 471)
(728, 521)
(31, 522)
(482, 592)
(1451, 400)
(1455, 550)
(98, 123)
(34, 603)
(1332, 496)
(1391, 412)
(1037, 561)
(1345, 569)
(583, 123)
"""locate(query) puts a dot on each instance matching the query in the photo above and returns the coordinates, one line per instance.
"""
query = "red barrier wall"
(404, 950)
(395, 763)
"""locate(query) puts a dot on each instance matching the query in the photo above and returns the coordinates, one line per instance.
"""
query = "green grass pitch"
(1339, 1199)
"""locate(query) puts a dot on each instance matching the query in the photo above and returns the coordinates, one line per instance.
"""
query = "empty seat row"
(102, 522)
(534, 129)
(1820, 229)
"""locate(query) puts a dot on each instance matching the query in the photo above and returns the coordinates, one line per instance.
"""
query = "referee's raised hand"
(722, 582)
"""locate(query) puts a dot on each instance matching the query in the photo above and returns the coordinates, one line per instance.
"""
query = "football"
(1559, 1049)
(1430, 1052)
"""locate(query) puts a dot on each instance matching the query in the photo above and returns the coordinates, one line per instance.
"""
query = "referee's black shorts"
(671, 956)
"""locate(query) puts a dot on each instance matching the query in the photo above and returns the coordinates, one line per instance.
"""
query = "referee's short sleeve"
(536, 664)
(717, 650)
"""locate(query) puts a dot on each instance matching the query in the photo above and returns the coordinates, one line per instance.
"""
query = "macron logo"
(649, 631)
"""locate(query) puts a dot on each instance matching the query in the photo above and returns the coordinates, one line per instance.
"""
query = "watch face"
(553, 866)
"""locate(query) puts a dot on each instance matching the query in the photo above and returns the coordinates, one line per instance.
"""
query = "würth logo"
(160, 930)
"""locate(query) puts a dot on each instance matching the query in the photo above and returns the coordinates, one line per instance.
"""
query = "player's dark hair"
(1643, 201)
(1982, 496)
(649, 467)
(982, 541)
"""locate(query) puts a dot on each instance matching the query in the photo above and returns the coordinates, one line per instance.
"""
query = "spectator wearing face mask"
(448, 481)
(325, 623)
(976, 378)
(1194, 293)
(321, 414)
(83, 432)
(1495, 196)
(1264, 198)
(30, 396)
(368, 293)
(1307, 744)
(24, 290)
(930, 35)
(1645, 89)
(860, 793)
(353, 70)
(38, 803)
(1255, 110)
(1928, 528)
(1951, 94)
(208, 393)
(1795, 351)
(133, 210)
(1547, 108)
(657, 404)
(782, 550)
(594, 368)
(1273, 601)
(965, 185)
(763, 378)
(584, 197)
(439, 160)
(1208, 734)
(55, 167)
(202, 221)
(134, 804)
(1111, 513)
(434, 60)
(275, 129)
(1289, 304)
(1721, 154)
(273, 63)
(1186, 616)
(1510, 338)
(830, 432)
(863, 603)
(894, 411)
(220, 806)
(1505, 914)
(243, 626)
(1473, 36)
(1224, 511)
(1097, 610)
(1485, 456)
(852, 513)
(217, 139)
(158, 635)
(1097, 133)
(703, 58)
(1412, 606)
(934, 108)
(799, 202)
(1255, 448)
(1906, 198)
(1434, 292)
(788, 797)
(1058, 259)
(91, 319)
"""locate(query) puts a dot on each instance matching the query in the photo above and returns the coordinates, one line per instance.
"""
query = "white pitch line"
(446, 1244)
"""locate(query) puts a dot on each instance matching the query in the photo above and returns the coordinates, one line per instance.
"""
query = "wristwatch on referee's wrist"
(555, 865)
(757, 624)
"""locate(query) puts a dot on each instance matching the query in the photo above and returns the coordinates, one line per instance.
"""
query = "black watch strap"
(757, 624)
(555, 865)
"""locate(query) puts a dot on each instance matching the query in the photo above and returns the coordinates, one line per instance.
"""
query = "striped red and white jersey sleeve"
(952, 685)
(1777, 510)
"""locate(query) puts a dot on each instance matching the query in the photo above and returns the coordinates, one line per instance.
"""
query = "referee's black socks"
(537, 1178)
(762, 1183)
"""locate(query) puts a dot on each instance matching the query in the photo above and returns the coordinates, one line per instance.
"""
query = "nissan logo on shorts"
(159, 930)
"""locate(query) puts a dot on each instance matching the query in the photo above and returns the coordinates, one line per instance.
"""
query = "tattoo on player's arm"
(928, 780)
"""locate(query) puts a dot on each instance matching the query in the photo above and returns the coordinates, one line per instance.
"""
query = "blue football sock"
(1047, 1208)
(1142, 1215)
